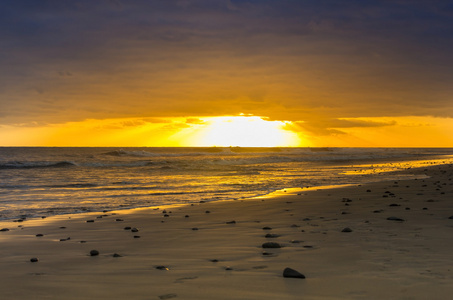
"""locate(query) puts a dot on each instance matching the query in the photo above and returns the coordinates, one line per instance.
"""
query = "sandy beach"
(386, 240)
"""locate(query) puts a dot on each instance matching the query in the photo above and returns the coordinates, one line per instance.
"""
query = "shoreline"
(198, 252)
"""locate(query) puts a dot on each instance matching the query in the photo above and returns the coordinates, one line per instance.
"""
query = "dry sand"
(204, 257)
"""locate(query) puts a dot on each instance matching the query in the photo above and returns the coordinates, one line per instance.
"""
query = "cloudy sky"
(339, 73)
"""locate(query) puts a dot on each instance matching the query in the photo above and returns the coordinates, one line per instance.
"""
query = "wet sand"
(387, 240)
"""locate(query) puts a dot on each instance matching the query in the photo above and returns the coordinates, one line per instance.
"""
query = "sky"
(323, 73)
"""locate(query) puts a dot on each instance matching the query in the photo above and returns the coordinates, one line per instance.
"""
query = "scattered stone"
(39, 234)
(166, 215)
(66, 239)
(308, 246)
(119, 220)
(4, 229)
(231, 222)
(294, 226)
(33, 259)
(295, 241)
(451, 217)
(425, 208)
(407, 208)
(347, 229)
(167, 296)
(306, 219)
(214, 260)
(117, 255)
(271, 236)
(394, 204)
(228, 268)
(378, 211)
(267, 228)
(82, 242)
(265, 253)
(345, 213)
(207, 212)
(291, 273)
(271, 245)
(94, 252)
(90, 221)
(62, 227)
(368, 191)
(134, 229)
(164, 268)
(127, 228)
(195, 228)
(186, 216)
(395, 219)
(136, 236)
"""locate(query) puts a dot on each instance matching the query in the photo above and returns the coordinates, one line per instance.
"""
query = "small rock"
(214, 260)
(271, 245)
(164, 268)
(134, 229)
(4, 229)
(117, 255)
(294, 226)
(186, 216)
(167, 296)
(39, 234)
(90, 221)
(119, 220)
(94, 252)
(451, 217)
(195, 228)
(127, 228)
(136, 236)
(347, 229)
(33, 259)
(291, 273)
(271, 236)
(267, 228)
(395, 219)
(207, 212)
(394, 204)
(231, 222)
(228, 268)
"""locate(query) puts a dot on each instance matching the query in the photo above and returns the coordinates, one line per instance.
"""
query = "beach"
(383, 240)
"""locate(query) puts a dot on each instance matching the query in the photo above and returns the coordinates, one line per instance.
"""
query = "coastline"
(208, 256)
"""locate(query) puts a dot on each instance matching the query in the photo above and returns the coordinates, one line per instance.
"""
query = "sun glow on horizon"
(245, 131)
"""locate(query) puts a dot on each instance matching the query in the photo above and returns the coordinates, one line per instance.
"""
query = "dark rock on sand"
(33, 259)
(94, 252)
(271, 245)
(395, 219)
(136, 236)
(271, 236)
(394, 205)
(267, 228)
(4, 229)
(39, 234)
(347, 229)
(119, 220)
(162, 268)
(195, 228)
(90, 221)
(134, 229)
(167, 296)
(451, 217)
(127, 228)
(231, 222)
(214, 260)
(117, 255)
(291, 273)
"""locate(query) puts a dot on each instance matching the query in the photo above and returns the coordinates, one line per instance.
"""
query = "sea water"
(38, 182)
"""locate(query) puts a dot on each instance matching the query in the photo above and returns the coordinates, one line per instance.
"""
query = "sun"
(245, 131)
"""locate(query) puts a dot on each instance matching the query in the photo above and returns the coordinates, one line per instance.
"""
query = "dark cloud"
(288, 60)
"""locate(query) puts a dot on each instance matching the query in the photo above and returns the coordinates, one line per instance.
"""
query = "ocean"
(37, 182)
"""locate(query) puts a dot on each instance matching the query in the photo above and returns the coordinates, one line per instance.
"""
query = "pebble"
(291, 273)
(33, 259)
(195, 228)
(117, 255)
(136, 236)
(94, 252)
(4, 229)
(127, 228)
(231, 222)
(267, 228)
(451, 217)
(119, 220)
(395, 219)
(90, 221)
(271, 236)
(40, 234)
(134, 229)
(167, 296)
(162, 268)
(347, 229)
(271, 245)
